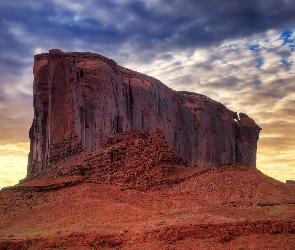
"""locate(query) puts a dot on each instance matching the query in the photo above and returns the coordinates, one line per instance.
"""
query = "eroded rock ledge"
(80, 99)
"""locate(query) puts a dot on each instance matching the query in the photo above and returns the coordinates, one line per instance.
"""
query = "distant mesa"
(290, 181)
(82, 99)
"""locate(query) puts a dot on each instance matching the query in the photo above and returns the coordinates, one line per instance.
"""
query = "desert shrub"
(161, 222)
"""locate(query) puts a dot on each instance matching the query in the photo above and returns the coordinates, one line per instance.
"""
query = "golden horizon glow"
(14, 165)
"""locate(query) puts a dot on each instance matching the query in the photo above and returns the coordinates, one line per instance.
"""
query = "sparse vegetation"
(184, 216)
(277, 208)
(160, 223)
(202, 217)
(285, 217)
(124, 230)
(130, 242)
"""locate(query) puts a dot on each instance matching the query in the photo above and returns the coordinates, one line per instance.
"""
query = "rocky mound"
(236, 185)
(132, 159)
(136, 160)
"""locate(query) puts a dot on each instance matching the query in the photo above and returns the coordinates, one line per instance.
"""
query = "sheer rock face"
(80, 99)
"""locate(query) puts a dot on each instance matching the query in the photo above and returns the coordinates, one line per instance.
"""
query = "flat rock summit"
(81, 99)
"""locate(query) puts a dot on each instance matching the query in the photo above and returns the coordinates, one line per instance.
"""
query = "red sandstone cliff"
(80, 99)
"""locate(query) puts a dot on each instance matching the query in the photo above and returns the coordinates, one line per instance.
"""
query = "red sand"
(234, 207)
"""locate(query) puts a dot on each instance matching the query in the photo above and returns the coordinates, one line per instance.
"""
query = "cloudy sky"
(240, 53)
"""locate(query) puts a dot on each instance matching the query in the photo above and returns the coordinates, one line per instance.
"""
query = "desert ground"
(230, 207)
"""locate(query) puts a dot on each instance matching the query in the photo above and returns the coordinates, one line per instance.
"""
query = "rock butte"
(81, 99)
(108, 167)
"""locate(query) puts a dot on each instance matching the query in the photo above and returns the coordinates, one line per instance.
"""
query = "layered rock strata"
(80, 99)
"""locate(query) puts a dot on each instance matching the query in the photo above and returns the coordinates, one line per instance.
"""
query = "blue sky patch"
(286, 63)
(288, 38)
(254, 47)
(259, 63)
(257, 82)
(256, 50)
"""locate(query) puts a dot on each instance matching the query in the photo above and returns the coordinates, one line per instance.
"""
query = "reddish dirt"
(232, 207)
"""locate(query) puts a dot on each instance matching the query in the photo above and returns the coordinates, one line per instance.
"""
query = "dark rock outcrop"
(80, 99)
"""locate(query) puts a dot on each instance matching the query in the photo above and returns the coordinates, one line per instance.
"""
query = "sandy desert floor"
(227, 208)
